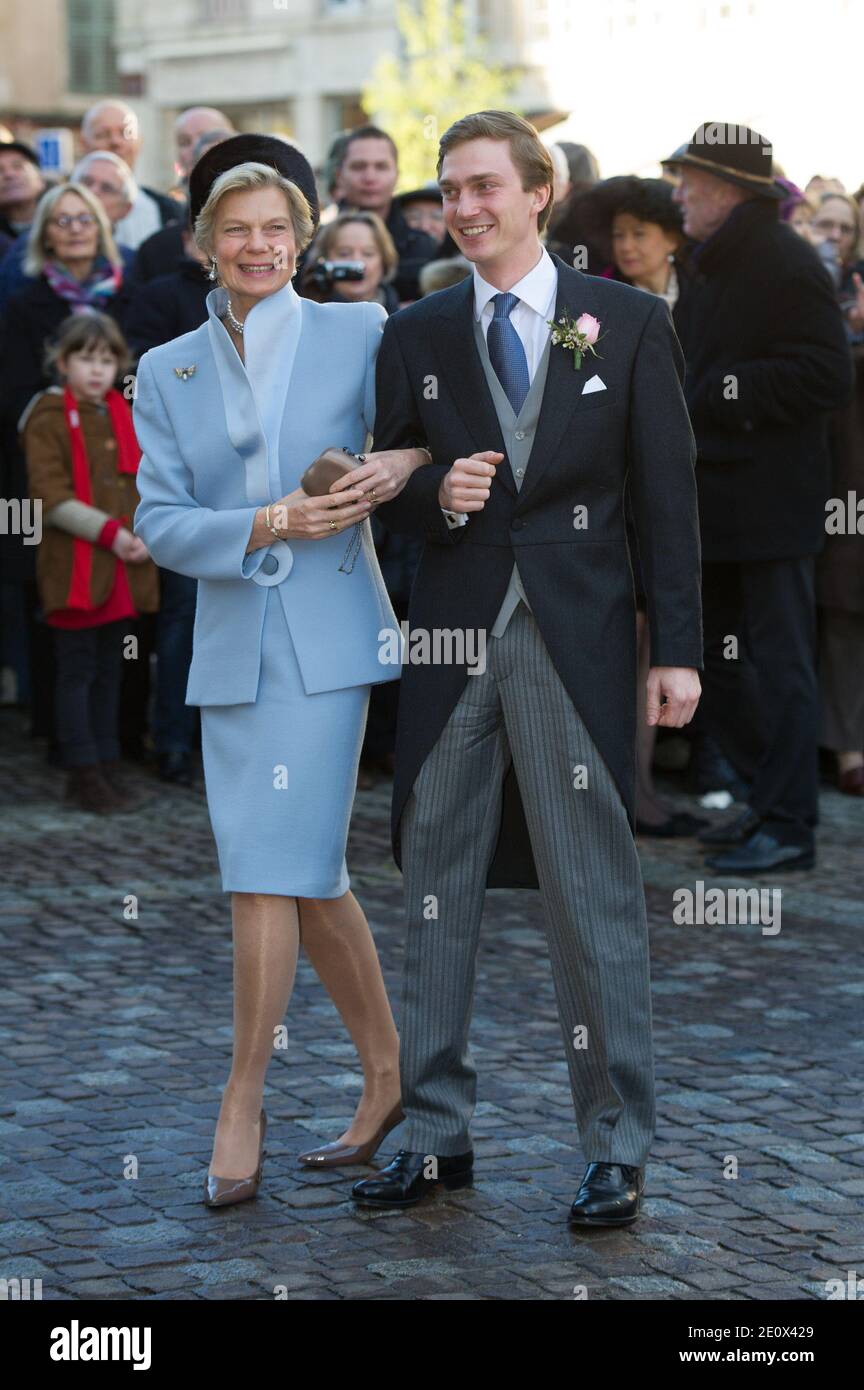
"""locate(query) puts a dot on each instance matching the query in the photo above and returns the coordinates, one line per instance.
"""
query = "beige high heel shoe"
(223, 1192)
(331, 1155)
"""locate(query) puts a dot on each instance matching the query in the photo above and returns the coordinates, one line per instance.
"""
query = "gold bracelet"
(267, 522)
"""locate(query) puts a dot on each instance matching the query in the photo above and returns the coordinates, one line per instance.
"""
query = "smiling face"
(640, 249)
(76, 243)
(489, 215)
(254, 246)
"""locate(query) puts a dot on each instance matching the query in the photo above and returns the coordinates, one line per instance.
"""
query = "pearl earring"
(213, 275)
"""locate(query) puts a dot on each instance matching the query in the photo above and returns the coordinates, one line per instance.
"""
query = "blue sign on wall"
(55, 149)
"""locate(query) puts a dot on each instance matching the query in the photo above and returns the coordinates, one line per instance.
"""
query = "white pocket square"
(595, 384)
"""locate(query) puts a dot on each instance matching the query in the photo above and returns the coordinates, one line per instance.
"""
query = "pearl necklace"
(234, 322)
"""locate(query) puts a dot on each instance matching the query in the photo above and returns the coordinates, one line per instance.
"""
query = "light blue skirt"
(281, 774)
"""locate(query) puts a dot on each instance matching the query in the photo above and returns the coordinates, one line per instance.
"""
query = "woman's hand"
(299, 517)
(383, 475)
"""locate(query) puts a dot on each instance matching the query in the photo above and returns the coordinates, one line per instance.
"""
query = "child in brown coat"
(93, 574)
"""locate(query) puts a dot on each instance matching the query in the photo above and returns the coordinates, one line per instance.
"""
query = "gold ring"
(372, 494)
(333, 526)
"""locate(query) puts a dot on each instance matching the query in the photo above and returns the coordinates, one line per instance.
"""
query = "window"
(344, 113)
(90, 46)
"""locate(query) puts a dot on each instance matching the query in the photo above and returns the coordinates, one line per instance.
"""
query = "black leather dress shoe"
(403, 1182)
(610, 1195)
(734, 832)
(763, 853)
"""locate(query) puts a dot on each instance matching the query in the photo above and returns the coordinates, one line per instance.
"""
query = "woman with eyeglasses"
(73, 265)
(110, 180)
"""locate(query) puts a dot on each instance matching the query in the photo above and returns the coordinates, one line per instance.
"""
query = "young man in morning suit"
(522, 774)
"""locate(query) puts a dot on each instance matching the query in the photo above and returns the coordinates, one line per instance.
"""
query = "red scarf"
(128, 458)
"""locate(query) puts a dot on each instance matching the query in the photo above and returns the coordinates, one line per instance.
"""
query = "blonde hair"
(383, 240)
(37, 251)
(242, 179)
(530, 156)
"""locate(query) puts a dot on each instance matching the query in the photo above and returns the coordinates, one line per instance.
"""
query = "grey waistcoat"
(518, 432)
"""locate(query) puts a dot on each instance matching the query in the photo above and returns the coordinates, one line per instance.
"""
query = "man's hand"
(681, 688)
(466, 487)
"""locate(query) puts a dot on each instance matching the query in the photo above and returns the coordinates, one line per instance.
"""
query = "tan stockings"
(268, 930)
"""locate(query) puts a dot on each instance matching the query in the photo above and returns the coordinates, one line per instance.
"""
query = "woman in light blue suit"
(289, 621)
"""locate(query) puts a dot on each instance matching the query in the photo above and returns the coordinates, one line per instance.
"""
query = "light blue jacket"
(207, 467)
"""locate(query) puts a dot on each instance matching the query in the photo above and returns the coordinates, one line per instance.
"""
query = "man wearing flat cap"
(767, 361)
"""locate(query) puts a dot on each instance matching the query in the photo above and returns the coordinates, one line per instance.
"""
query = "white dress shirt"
(536, 293)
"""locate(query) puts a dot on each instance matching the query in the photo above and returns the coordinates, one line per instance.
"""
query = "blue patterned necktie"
(506, 352)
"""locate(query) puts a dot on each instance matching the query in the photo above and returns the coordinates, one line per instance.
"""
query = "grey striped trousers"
(591, 890)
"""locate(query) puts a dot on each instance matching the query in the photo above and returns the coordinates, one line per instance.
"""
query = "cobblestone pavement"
(116, 1042)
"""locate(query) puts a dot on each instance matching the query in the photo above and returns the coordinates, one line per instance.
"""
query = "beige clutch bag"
(329, 466)
(317, 480)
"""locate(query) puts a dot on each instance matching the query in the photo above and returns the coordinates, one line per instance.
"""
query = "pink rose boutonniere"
(576, 335)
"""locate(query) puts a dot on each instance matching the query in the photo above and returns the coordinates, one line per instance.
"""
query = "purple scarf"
(103, 281)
